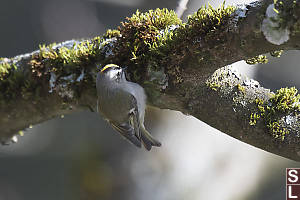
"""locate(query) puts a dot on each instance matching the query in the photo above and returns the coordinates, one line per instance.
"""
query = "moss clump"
(205, 34)
(285, 100)
(215, 82)
(207, 25)
(137, 37)
(160, 34)
(262, 59)
(254, 117)
(207, 19)
(142, 37)
(14, 84)
(111, 33)
(138, 34)
(198, 42)
(213, 85)
(276, 54)
(5, 69)
(155, 20)
(257, 59)
(241, 88)
(63, 59)
(277, 130)
(8, 80)
(283, 103)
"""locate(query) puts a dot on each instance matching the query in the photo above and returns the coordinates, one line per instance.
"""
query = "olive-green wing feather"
(128, 132)
(140, 131)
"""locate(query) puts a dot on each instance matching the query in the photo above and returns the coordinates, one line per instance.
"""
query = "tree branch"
(176, 63)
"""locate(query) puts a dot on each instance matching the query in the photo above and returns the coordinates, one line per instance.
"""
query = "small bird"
(122, 103)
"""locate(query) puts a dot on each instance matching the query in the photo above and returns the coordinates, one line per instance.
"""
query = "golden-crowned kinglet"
(122, 103)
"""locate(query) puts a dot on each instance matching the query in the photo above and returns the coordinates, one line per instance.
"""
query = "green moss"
(240, 88)
(260, 106)
(138, 34)
(142, 37)
(254, 118)
(163, 39)
(207, 22)
(207, 25)
(276, 53)
(111, 33)
(284, 102)
(80, 53)
(65, 60)
(213, 85)
(157, 19)
(160, 33)
(62, 61)
(198, 42)
(5, 69)
(207, 15)
(277, 130)
(257, 59)
(10, 82)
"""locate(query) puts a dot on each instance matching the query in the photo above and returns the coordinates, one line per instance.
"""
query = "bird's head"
(112, 72)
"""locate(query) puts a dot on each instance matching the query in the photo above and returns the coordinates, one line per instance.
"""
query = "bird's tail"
(147, 140)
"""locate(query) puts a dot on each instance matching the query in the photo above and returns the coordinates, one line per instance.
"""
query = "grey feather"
(147, 140)
(123, 103)
(128, 133)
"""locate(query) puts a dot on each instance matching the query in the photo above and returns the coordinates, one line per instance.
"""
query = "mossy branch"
(182, 66)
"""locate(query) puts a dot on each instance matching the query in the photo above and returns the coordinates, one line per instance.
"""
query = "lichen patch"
(271, 28)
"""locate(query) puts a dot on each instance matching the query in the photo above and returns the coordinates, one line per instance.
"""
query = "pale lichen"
(81, 76)
(271, 28)
(282, 107)
(52, 81)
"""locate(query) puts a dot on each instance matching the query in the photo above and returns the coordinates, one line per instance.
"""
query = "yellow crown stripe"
(108, 66)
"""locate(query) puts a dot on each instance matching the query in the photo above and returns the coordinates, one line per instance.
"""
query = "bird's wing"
(144, 136)
(147, 139)
(128, 132)
(131, 129)
(139, 128)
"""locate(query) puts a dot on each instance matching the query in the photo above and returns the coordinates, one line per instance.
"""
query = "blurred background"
(80, 157)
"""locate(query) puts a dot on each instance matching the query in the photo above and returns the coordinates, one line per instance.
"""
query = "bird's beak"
(123, 74)
(123, 71)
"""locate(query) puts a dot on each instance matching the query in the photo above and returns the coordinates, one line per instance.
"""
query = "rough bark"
(187, 71)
